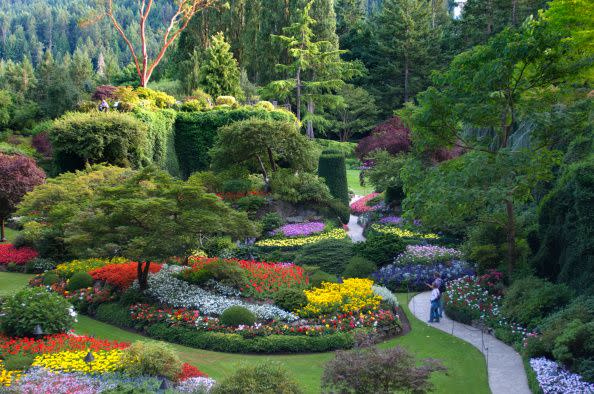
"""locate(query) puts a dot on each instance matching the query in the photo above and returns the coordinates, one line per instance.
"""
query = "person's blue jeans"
(434, 312)
(440, 306)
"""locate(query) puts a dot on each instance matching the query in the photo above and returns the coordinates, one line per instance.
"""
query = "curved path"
(355, 229)
(504, 364)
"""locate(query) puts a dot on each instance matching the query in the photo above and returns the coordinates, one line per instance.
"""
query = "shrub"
(18, 362)
(160, 146)
(80, 280)
(266, 378)
(336, 209)
(250, 203)
(237, 186)
(98, 137)
(332, 169)
(380, 248)
(153, 359)
(359, 267)
(32, 306)
(271, 221)
(373, 370)
(196, 277)
(319, 277)
(528, 300)
(217, 245)
(267, 105)
(301, 187)
(237, 315)
(13, 267)
(50, 277)
(329, 255)
(226, 100)
(42, 144)
(39, 265)
(290, 299)
(228, 272)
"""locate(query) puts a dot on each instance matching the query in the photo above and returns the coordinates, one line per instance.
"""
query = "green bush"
(318, 277)
(336, 209)
(195, 132)
(13, 267)
(529, 299)
(32, 306)
(359, 267)
(267, 105)
(380, 248)
(237, 315)
(229, 273)
(301, 187)
(290, 299)
(265, 378)
(237, 186)
(18, 362)
(271, 221)
(80, 280)
(132, 296)
(50, 277)
(329, 255)
(250, 203)
(98, 137)
(332, 169)
(160, 147)
(116, 314)
(215, 246)
(226, 100)
(196, 277)
(152, 359)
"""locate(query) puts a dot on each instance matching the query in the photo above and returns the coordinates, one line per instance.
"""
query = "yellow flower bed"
(68, 269)
(402, 232)
(7, 378)
(337, 233)
(105, 361)
(352, 295)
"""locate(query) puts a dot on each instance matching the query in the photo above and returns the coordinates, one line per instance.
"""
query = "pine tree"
(81, 71)
(189, 75)
(220, 71)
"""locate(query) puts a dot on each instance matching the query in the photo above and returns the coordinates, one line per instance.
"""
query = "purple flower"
(391, 220)
(427, 254)
(554, 379)
(416, 276)
(300, 229)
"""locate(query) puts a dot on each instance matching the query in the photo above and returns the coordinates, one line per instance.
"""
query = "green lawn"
(11, 234)
(353, 182)
(466, 365)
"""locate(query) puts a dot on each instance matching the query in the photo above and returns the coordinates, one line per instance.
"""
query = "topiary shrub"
(80, 280)
(271, 221)
(290, 299)
(237, 315)
(332, 169)
(529, 299)
(50, 277)
(359, 267)
(153, 359)
(226, 100)
(267, 105)
(380, 248)
(319, 277)
(32, 306)
(329, 255)
(269, 377)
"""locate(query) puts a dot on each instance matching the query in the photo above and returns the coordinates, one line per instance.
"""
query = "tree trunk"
(514, 12)
(298, 103)
(271, 159)
(406, 77)
(310, 110)
(142, 274)
(511, 237)
(264, 174)
(2, 233)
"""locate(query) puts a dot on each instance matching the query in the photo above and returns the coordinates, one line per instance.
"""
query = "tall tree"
(18, 175)
(219, 74)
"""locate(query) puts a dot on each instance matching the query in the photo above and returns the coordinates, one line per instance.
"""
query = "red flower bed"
(121, 275)
(55, 343)
(189, 371)
(20, 256)
(264, 278)
(360, 206)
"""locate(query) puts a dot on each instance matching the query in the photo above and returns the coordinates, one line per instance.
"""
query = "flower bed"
(415, 277)
(300, 229)
(264, 279)
(337, 233)
(74, 361)
(554, 379)
(121, 275)
(401, 232)
(66, 270)
(360, 206)
(427, 254)
(19, 256)
(55, 343)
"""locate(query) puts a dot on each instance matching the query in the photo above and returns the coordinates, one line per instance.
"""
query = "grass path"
(466, 365)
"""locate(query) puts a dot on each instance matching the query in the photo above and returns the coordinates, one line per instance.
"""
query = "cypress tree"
(220, 72)
(332, 168)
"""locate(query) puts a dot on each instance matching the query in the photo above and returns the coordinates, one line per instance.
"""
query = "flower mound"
(360, 206)
(337, 233)
(415, 277)
(401, 232)
(20, 256)
(427, 254)
(353, 295)
(300, 229)
(121, 275)
(554, 379)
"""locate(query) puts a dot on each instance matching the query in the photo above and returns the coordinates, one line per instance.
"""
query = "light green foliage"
(290, 299)
(80, 280)
(152, 359)
(266, 378)
(385, 174)
(299, 187)
(237, 315)
(219, 73)
(32, 306)
(355, 113)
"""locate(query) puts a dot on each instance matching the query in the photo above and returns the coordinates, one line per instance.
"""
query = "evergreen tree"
(220, 71)
(189, 75)
(81, 71)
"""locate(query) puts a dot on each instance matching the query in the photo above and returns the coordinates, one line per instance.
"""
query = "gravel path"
(504, 364)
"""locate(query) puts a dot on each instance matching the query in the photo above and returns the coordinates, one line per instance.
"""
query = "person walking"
(440, 284)
(434, 299)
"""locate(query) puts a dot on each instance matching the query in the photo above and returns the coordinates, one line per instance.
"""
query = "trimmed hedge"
(332, 168)
(195, 132)
(161, 138)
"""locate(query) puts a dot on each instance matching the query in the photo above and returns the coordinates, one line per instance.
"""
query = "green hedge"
(195, 132)
(332, 168)
(161, 138)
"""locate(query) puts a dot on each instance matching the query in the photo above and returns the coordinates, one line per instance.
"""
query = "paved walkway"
(504, 364)
(355, 229)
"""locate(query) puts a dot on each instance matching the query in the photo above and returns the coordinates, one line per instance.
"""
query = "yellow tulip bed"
(105, 361)
(353, 295)
(337, 233)
(66, 270)
(401, 232)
